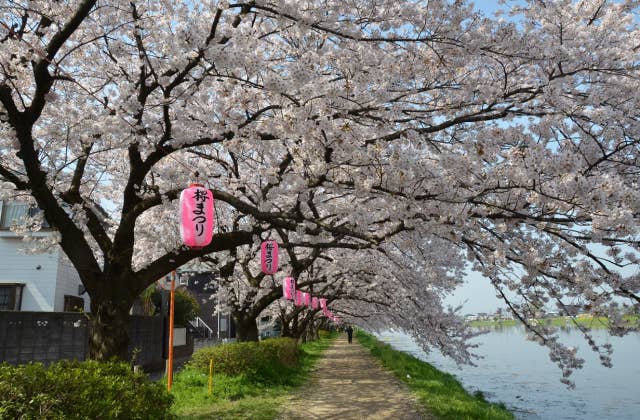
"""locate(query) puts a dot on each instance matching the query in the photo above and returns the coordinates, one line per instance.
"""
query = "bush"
(248, 357)
(185, 304)
(80, 390)
(285, 350)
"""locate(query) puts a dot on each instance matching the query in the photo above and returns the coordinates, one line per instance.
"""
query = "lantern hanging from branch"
(289, 288)
(196, 216)
(299, 300)
(269, 257)
(323, 304)
(314, 302)
(307, 298)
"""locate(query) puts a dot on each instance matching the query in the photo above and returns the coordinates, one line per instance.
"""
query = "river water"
(519, 373)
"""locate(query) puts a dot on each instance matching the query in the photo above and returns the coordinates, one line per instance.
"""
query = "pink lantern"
(314, 302)
(299, 300)
(323, 304)
(269, 257)
(196, 216)
(289, 288)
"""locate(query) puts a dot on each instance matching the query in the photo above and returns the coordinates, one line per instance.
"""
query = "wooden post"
(210, 375)
(171, 314)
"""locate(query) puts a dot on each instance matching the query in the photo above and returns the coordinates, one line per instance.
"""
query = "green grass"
(439, 392)
(586, 321)
(245, 396)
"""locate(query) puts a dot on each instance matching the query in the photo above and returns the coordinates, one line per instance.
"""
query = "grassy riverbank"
(586, 321)
(252, 394)
(440, 392)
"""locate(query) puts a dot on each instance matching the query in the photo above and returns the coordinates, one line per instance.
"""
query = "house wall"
(38, 272)
(67, 283)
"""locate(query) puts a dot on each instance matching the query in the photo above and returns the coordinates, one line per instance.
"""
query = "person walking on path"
(350, 333)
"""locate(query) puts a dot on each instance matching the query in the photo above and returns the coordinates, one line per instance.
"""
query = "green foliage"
(260, 387)
(440, 392)
(286, 350)
(80, 390)
(185, 304)
(250, 358)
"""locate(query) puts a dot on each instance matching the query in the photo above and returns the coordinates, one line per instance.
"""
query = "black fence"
(51, 336)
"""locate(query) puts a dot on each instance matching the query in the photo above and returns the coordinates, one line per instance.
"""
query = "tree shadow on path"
(348, 383)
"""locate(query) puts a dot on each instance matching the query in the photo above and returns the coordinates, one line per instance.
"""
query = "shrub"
(186, 305)
(80, 390)
(285, 350)
(248, 357)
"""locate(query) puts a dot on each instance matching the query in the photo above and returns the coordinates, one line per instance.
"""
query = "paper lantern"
(269, 257)
(307, 298)
(299, 300)
(196, 216)
(289, 288)
(323, 303)
(314, 302)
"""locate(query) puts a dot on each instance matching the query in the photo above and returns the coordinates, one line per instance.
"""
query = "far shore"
(560, 321)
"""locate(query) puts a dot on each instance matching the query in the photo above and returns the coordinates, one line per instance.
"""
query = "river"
(518, 373)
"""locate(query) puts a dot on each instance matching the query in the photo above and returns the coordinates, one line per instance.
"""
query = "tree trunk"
(246, 328)
(285, 330)
(109, 328)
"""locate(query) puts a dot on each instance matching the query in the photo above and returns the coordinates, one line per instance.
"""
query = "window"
(11, 296)
(73, 303)
(12, 212)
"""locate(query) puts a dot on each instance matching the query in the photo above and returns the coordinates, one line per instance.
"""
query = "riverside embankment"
(332, 380)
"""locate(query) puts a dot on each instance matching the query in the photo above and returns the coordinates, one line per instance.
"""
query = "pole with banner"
(171, 312)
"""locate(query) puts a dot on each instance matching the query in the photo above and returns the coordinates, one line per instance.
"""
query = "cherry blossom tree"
(507, 143)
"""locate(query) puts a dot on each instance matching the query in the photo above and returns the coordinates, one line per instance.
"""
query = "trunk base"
(108, 331)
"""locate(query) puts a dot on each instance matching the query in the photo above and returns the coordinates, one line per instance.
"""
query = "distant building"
(269, 327)
(210, 324)
(573, 310)
(43, 282)
(483, 316)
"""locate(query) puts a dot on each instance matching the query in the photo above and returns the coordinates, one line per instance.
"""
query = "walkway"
(348, 383)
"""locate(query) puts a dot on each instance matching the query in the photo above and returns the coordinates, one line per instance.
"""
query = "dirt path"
(348, 383)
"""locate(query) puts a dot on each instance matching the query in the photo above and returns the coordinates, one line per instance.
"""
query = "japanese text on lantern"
(200, 216)
(268, 258)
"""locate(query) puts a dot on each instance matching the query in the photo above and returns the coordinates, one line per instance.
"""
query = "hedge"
(247, 357)
(80, 390)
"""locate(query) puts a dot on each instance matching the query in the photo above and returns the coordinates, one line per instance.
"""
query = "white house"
(43, 282)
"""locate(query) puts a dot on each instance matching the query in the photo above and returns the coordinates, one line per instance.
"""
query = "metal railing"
(199, 323)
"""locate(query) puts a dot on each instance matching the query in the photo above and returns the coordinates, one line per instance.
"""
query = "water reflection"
(519, 373)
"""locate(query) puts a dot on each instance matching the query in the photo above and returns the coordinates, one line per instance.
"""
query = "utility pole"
(171, 315)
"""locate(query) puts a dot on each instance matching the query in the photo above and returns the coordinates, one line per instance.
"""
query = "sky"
(477, 295)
